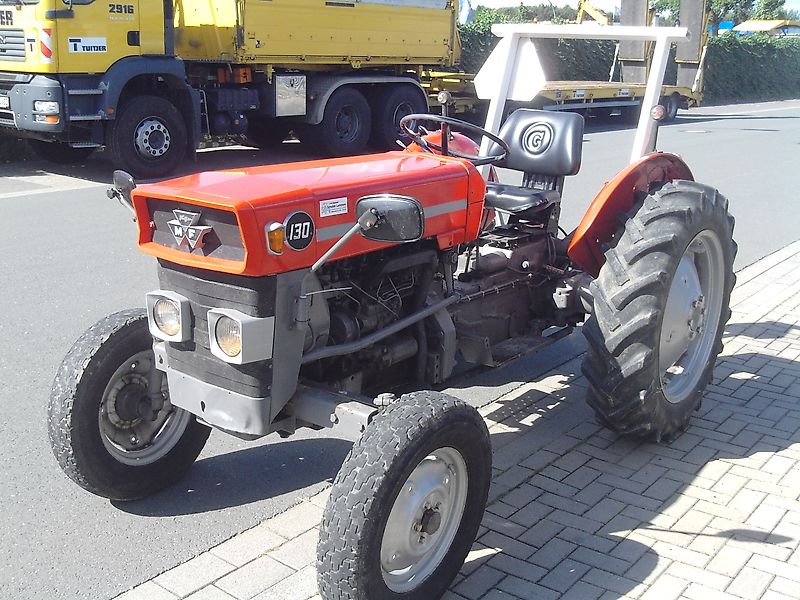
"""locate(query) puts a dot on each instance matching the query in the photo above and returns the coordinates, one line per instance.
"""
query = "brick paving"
(578, 512)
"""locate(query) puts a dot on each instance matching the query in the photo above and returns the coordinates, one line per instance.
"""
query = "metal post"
(642, 143)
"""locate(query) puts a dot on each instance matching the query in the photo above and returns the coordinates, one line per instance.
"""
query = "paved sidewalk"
(577, 512)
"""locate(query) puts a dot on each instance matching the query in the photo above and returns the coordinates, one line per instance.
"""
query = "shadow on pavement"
(245, 476)
(573, 504)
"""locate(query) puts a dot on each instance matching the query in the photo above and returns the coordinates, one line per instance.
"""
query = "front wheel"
(104, 430)
(406, 505)
(660, 308)
(346, 123)
(148, 138)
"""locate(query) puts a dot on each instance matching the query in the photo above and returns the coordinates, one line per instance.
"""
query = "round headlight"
(167, 315)
(229, 336)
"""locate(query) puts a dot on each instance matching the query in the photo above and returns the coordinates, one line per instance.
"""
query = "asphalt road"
(69, 259)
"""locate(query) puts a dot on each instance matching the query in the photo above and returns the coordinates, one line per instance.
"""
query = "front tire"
(97, 431)
(406, 505)
(660, 308)
(148, 138)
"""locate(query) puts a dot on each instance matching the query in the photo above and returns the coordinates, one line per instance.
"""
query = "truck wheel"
(346, 125)
(396, 102)
(406, 505)
(671, 104)
(148, 138)
(660, 307)
(97, 429)
(59, 152)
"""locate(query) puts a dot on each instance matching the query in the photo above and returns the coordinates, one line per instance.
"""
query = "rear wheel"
(660, 307)
(396, 102)
(148, 138)
(59, 152)
(103, 429)
(346, 124)
(407, 502)
(671, 104)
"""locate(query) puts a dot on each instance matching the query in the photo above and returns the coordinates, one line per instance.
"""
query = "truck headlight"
(48, 107)
(169, 316)
(239, 338)
(229, 336)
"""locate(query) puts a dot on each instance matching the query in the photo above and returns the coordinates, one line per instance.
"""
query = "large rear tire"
(660, 308)
(407, 502)
(97, 429)
(148, 138)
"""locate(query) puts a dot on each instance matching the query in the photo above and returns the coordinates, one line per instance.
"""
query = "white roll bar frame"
(516, 33)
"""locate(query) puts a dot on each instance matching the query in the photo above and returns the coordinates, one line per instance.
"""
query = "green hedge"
(751, 68)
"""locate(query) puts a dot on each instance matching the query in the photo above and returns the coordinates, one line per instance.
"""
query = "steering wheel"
(477, 160)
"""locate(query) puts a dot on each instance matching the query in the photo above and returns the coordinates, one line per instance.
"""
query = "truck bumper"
(18, 93)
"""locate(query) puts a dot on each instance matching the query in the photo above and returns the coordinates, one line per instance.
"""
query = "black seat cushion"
(513, 199)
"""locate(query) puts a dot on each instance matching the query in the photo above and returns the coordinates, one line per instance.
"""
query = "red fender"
(617, 196)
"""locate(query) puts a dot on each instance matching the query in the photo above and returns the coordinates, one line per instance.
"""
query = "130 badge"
(299, 230)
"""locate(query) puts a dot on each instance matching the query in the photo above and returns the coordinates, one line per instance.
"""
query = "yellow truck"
(153, 79)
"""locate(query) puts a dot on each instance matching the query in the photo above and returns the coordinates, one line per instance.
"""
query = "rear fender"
(617, 197)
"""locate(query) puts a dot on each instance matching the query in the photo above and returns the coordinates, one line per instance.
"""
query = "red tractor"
(305, 295)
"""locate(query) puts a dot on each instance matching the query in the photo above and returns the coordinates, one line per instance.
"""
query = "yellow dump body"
(357, 33)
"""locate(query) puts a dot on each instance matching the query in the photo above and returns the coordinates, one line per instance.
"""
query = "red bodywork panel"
(450, 190)
(617, 196)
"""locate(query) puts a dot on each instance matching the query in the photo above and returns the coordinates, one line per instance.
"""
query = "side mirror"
(401, 218)
(122, 187)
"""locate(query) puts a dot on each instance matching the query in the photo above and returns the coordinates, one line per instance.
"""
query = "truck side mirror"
(401, 218)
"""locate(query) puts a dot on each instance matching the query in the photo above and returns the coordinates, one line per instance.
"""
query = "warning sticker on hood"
(335, 206)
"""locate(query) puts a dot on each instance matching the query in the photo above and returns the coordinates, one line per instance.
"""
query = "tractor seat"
(514, 199)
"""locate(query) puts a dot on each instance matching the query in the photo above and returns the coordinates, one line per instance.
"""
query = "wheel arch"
(322, 88)
(618, 196)
(143, 75)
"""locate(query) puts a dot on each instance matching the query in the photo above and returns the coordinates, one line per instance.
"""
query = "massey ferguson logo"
(185, 229)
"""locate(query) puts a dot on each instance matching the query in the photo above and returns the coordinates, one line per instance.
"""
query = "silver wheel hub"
(152, 138)
(126, 434)
(691, 316)
(424, 520)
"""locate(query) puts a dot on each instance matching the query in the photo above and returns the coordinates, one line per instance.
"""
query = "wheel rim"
(424, 520)
(348, 124)
(152, 138)
(129, 438)
(403, 110)
(691, 316)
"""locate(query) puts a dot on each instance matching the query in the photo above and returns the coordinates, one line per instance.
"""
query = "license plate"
(5, 102)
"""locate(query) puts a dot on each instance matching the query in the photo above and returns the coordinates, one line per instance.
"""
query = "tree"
(768, 9)
(735, 10)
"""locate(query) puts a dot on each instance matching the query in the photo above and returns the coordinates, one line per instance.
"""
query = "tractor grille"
(223, 241)
(254, 296)
(12, 44)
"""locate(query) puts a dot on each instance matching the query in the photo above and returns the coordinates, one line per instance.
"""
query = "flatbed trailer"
(565, 95)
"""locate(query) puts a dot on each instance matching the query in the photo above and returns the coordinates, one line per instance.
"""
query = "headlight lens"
(229, 336)
(46, 106)
(167, 315)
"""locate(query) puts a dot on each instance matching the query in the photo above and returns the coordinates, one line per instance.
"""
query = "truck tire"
(660, 308)
(346, 124)
(59, 152)
(97, 433)
(148, 138)
(394, 103)
(671, 104)
(406, 505)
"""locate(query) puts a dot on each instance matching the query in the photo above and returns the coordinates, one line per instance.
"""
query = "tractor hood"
(218, 220)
